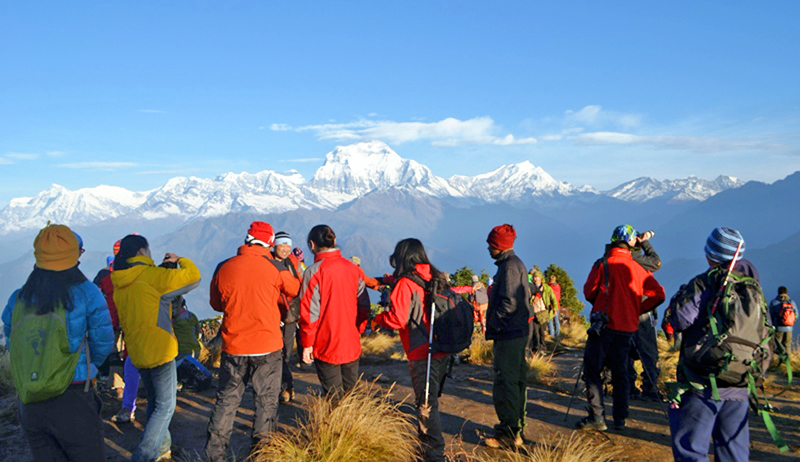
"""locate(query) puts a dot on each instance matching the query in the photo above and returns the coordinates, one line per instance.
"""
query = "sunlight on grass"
(382, 345)
(541, 369)
(573, 335)
(574, 448)
(481, 352)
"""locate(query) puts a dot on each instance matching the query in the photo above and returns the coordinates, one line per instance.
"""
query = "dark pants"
(429, 422)
(336, 378)
(610, 349)
(699, 420)
(509, 392)
(536, 334)
(67, 427)
(235, 371)
(289, 331)
(645, 349)
(783, 342)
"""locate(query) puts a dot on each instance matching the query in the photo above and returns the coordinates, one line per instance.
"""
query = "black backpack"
(454, 319)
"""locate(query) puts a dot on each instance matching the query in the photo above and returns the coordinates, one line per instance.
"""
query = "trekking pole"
(430, 342)
(653, 382)
(574, 390)
(727, 277)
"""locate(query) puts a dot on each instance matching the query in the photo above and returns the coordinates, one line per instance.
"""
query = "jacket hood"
(254, 250)
(126, 277)
(423, 271)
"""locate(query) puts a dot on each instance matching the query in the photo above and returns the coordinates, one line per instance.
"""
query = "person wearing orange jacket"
(331, 319)
(407, 314)
(619, 290)
(247, 288)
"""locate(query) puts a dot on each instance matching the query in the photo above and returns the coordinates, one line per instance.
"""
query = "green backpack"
(41, 362)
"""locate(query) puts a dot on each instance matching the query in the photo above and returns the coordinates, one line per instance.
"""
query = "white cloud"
(22, 156)
(596, 116)
(682, 143)
(448, 132)
(280, 127)
(100, 165)
(4, 161)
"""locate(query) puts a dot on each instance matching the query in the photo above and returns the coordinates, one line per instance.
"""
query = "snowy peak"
(682, 190)
(511, 183)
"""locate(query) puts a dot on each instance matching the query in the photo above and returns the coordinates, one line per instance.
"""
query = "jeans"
(610, 349)
(235, 371)
(510, 389)
(554, 325)
(698, 420)
(131, 389)
(429, 424)
(161, 385)
(67, 427)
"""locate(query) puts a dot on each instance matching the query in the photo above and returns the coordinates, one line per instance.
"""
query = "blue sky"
(134, 93)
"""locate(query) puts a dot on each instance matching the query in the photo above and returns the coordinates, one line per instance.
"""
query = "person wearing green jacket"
(543, 308)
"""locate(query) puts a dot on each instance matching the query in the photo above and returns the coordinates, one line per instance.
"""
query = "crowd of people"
(61, 328)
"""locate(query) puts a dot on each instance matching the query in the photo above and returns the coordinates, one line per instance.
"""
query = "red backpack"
(786, 315)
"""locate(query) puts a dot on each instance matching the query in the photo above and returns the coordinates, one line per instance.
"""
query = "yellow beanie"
(56, 248)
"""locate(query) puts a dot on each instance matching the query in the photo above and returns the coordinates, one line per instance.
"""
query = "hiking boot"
(287, 395)
(167, 456)
(124, 416)
(619, 424)
(500, 441)
(591, 423)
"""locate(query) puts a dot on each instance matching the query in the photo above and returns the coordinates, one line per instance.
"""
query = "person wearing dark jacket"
(507, 325)
(407, 313)
(290, 310)
(700, 417)
(619, 290)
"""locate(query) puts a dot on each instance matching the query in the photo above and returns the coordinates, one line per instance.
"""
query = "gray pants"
(429, 423)
(645, 349)
(234, 373)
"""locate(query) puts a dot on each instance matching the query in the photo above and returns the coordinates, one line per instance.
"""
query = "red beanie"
(260, 233)
(502, 237)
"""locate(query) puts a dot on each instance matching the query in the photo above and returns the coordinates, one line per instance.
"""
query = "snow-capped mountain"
(349, 172)
(692, 188)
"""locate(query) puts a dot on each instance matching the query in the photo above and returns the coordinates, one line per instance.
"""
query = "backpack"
(193, 374)
(786, 314)
(453, 321)
(734, 348)
(41, 362)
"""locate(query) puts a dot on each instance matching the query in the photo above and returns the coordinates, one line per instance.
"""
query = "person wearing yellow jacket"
(143, 294)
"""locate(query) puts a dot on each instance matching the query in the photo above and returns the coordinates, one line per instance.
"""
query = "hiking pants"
(429, 423)
(131, 389)
(536, 335)
(698, 420)
(67, 427)
(336, 377)
(609, 349)
(784, 339)
(509, 392)
(645, 348)
(264, 371)
(161, 385)
(289, 331)
(554, 325)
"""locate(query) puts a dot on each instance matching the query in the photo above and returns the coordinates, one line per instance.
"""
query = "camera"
(598, 322)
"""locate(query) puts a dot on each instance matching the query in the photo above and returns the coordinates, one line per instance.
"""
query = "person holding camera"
(616, 287)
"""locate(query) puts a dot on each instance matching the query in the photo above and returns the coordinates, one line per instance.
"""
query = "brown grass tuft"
(573, 335)
(364, 424)
(481, 351)
(541, 369)
(575, 448)
(382, 345)
(8, 393)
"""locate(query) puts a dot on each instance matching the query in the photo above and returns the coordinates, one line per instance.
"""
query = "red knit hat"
(502, 237)
(260, 233)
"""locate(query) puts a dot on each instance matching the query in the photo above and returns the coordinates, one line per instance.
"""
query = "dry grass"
(211, 356)
(481, 351)
(363, 425)
(383, 346)
(8, 393)
(541, 369)
(573, 335)
(574, 448)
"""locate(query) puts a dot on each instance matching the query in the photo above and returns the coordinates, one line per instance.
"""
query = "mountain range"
(372, 198)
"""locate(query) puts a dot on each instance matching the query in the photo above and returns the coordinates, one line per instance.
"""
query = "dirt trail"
(467, 414)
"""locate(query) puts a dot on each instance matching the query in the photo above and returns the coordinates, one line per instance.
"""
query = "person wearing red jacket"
(331, 320)
(619, 290)
(247, 288)
(407, 314)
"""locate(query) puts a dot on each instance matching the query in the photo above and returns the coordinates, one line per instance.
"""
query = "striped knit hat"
(722, 243)
(283, 238)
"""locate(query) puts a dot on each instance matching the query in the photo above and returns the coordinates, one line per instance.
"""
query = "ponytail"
(322, 236)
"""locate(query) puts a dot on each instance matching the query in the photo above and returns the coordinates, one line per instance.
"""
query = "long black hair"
(47, 289)
(409, 253)
(128, 248)
(322, 236)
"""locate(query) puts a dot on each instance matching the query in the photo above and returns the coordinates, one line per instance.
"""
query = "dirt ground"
(467, 415)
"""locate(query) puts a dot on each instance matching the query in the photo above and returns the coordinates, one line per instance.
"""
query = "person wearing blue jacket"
(67, 426)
